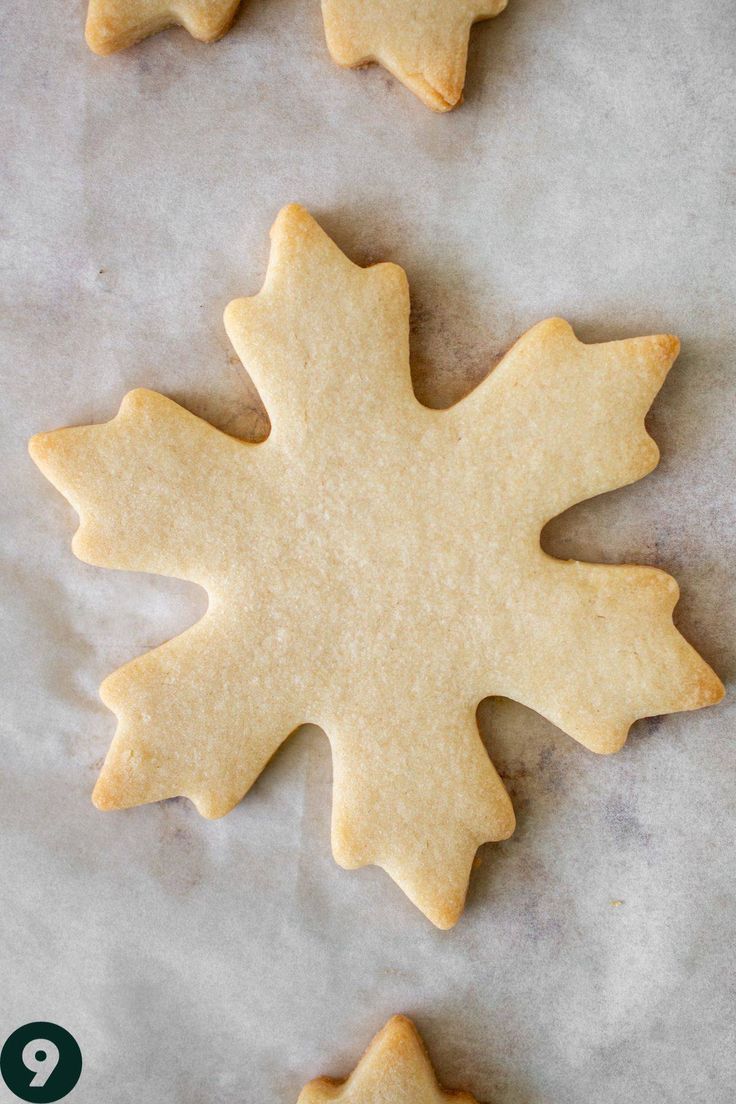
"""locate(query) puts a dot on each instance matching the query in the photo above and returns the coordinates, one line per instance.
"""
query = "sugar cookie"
(375, 568)
(395, 1069)
(115, 24)
(424, 43)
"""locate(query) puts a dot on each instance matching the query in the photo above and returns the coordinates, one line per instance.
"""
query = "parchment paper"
(591, 174)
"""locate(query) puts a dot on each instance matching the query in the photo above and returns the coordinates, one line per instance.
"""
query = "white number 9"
(42, 1057)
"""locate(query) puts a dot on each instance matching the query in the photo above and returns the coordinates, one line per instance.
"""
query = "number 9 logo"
(41, 1062)
(41, 1056)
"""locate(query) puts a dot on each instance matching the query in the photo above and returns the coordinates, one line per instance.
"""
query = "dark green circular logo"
(40, 1062)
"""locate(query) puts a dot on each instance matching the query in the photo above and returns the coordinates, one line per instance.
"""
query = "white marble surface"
(591, 174)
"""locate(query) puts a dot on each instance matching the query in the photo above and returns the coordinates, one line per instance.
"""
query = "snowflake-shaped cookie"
(375, 566)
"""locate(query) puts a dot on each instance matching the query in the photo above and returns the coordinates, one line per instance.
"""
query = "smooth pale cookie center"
(382, 554)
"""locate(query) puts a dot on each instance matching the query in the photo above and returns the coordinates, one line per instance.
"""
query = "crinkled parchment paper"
(591, 174)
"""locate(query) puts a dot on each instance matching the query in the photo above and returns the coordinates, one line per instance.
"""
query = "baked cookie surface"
(424, 43)
(374, 567)
(115, 24)
(395, 1069)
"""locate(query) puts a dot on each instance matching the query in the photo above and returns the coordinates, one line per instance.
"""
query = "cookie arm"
(145, 486)
(184, 733)
(325, 341)
(607, 652)
(562, 421)
(417, 795)
(558, 422)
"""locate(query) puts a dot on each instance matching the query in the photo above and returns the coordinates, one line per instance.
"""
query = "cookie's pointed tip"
(291, 216)
(293, 228)
(710, 689)
(398, 1036)
(103, 798)
(443, 909)
(653, 356)
(668, 346)
(506, 823)
(99, 43)
(400, 1022)
(47, 451)
(39, 447)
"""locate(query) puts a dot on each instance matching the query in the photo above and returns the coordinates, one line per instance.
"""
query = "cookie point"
(293, 214)
(98, 44)
(401, 1021)
(558, 325)
(710, 689)
(507, 825)
(388, 270)
(609, 743)
(668, 345)
(444, 916)
(549, 330)
(646, 459)
(231, 313)
(442, 106)
(399, 1035)
(79, 546)
(137, 400)
(39, 446)
(102, 799)
(212, 807)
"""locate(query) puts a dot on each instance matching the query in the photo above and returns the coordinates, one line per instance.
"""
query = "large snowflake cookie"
(375, 566)
(394, 1070)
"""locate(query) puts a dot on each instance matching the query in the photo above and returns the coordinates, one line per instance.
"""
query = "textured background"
(591, 174)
